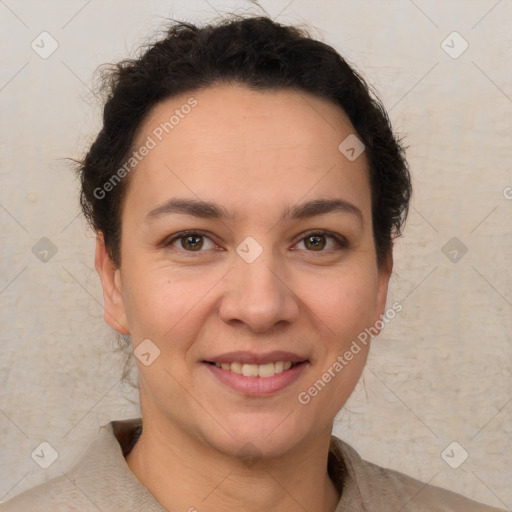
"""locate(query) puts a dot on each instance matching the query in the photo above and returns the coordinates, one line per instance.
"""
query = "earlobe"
(109, 274)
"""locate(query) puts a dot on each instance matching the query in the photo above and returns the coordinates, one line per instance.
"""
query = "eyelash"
(341, 241)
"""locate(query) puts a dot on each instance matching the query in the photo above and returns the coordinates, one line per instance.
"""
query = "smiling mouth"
(256, 370)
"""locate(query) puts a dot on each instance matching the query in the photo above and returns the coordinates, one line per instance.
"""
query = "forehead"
(247, 145)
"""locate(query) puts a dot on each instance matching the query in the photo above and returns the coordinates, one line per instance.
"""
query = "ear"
(110, 277)
(382, 286)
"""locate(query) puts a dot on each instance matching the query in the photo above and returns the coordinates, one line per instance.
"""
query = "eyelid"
(339, 239)
(182, 234)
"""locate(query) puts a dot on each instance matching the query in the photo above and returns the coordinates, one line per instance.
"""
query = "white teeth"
(256, 370)
(278, 367)
(236, 367)
(266, 370)
(250, 370)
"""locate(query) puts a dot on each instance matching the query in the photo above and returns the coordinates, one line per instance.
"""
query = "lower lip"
(257, 386)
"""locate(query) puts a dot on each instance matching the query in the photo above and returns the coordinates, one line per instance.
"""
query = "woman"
(245, 190)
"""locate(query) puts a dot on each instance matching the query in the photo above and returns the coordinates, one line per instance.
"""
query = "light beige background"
(441, 370)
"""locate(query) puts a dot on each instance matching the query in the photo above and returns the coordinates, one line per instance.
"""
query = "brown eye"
(320, 241)
(315, 242)
(190, 241)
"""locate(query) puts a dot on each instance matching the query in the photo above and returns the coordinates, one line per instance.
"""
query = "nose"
(258, 295)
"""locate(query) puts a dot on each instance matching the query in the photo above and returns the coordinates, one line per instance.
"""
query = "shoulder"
(100, 480)
(59, 494)
(372, 487)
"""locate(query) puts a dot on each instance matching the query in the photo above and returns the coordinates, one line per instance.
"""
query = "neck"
(184, 474)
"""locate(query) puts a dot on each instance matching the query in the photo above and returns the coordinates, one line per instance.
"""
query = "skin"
(258, 154)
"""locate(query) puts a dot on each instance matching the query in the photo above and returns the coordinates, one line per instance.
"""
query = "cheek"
(345, 310)
(160, 304)
(346, 303)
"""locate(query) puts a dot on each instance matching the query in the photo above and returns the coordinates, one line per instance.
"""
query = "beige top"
(102, 481)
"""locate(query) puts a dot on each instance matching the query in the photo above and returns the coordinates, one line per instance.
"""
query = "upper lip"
(246, 357)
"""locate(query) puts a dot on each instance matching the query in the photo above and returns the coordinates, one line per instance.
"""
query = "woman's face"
(271, 270)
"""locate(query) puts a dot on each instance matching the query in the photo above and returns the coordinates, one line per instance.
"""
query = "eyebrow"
(211, 210)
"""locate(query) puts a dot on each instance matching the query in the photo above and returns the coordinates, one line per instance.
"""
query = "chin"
(259, 435)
